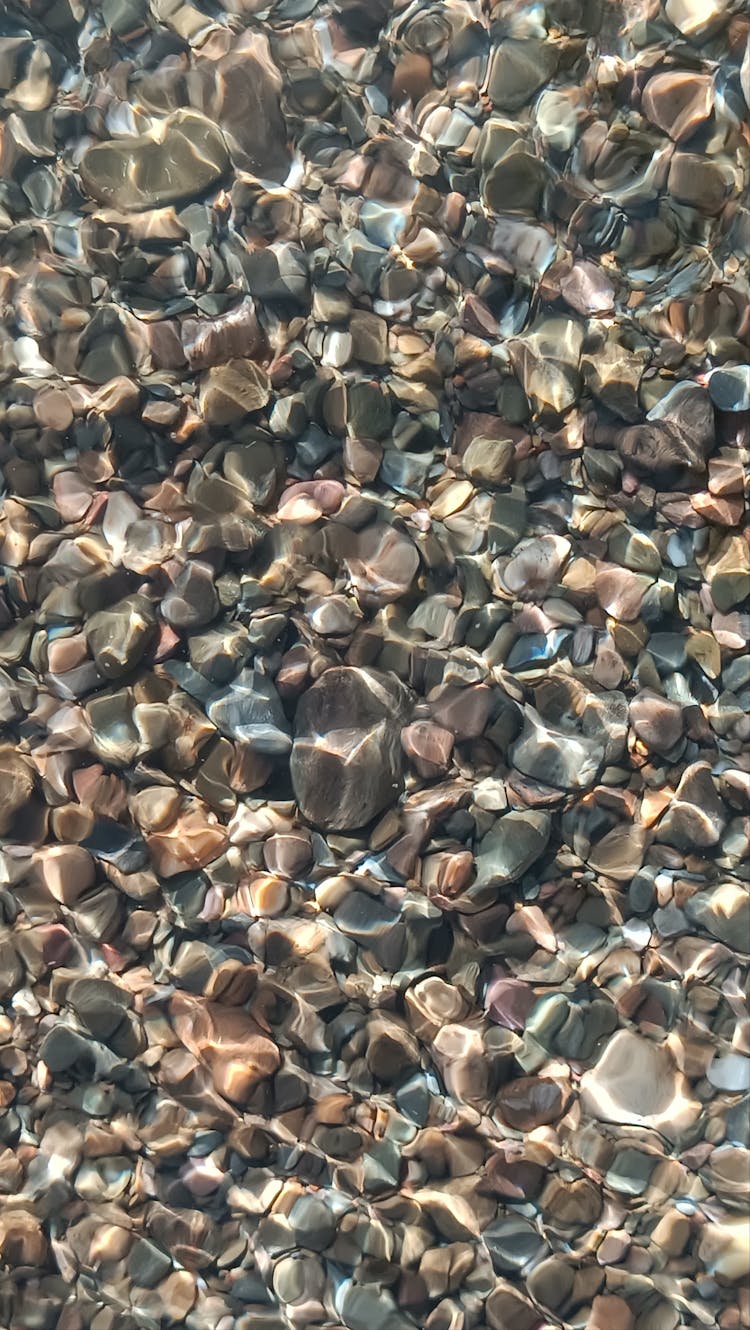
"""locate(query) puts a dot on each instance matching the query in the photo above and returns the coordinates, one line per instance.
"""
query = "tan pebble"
(728, 571)
(428, 746)
(332, 1109)
(453, 1216)
(233, 390)
(179, 1293)
(65, 653)
(22, 1241)
(362, 458)
(452, 499)
(703, 648)
(653, 805)
(228, 1041)
(110, 1243)
(190, 842)
(588, 291)
(731, 630)
(432, 1003)
(699, 182)
(412, 77)
(119, 397)
(268, 895)
(614, 1247)
(724, 1248)
(724, 511)
(678, 102)
(302, 508)
(463, 711)
(155, 809)
(629, 638)
(411, 345)
(620, 591)
(444, 1269)
(139, 929)
(637, 1082)
(672, 1233)
(530, 919)
(620, 853)
(384, 565)
(53, 410)
(609, 668)
(17, 778)
(67, 871)
(610, 1313)
(386, 829)
(693, 17)
(72, 495)
(580, 576)
(488, 460)
(163, 415)
(725, 476)
(462, 1058)
(287, 854)
(469, 351)
(103, 793)
(447, 873)
(657, 721)
(232, 983)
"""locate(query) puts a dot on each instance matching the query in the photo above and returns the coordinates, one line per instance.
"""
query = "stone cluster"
(374, 670)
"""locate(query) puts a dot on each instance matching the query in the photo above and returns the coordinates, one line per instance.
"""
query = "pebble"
(185, 154)
(511, 846)
(231, 391)
(637, 1082)
(346, 757)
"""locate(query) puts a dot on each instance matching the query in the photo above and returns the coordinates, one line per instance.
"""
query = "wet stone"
(487, 461)
(531, 1102)
(730, 388)
(346, 758)
(678, 102)
(119, 637)
(507, 521)
(232, 391)
(16, 786)
(191, 601)
(147, 1264)
(519, 68)
(184, 155)
(250, 710)
(428, 746)
(510, 847)
(513, 1243)
(556, 757)
(638, 1082)
(658, 722)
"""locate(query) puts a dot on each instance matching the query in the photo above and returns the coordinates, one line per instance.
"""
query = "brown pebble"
(412, 76)
(428, 746)
(53, 410)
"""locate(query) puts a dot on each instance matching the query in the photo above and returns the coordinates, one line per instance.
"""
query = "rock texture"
(374, 670)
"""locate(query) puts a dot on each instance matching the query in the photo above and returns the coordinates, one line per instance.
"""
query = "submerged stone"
(183, 155)
(346, 762)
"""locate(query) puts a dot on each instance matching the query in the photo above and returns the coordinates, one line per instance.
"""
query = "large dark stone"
(347, 759)
(182, 156)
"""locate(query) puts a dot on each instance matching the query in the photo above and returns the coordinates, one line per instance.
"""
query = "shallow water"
(374, 686)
